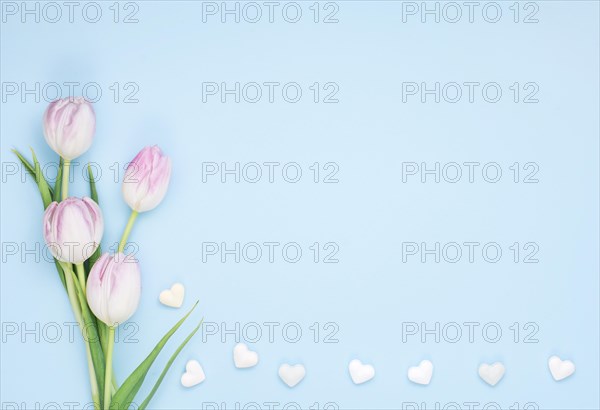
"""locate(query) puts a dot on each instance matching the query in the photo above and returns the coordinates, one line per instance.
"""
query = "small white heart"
(194, 374)
(292, 375)
(359, 372)
(172, 297)
(422, 373)
(244, 357)
(491, 374)
(560, 369)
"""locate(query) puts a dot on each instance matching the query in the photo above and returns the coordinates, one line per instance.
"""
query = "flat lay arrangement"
(103, 289)
(289, 205)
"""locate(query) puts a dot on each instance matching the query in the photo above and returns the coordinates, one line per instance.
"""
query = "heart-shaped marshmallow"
(359, 372)
(422, 373)
(194, 374)
(244, 357)
(292, 375)
(560, 369)
(491, 373)
(173, 297)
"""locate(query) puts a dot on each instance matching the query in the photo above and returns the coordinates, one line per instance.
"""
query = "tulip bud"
(73, 229)
(147, 179)
(114, 288)
(69, 126)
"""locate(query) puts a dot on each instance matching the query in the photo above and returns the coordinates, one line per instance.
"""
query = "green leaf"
(43, 187)
(91, 260)
(126, 393)
(92, 336)
(94, 195)
(93, 192)
(103, 332)
(167, 366)
(58, 182)
(41, 181)
(61, 273)
(25, 163)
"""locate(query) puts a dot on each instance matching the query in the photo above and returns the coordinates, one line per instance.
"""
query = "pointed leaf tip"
(126, 393)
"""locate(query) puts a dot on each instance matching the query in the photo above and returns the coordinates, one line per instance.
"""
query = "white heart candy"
(172, 297)
(422, 373)
(560, 369)
(193, 374)
(491, 374)
(244, 357)
(359, 372)
(292, 375)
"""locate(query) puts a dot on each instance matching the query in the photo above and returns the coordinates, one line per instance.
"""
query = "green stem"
(65, 179)
(127, 231)
(103, 333)
(108, 374)
(81, 276)
(77, 311)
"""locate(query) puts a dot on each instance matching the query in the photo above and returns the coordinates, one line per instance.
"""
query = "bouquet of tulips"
(103, 289)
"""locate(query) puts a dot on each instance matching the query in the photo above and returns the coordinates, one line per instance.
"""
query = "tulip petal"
(114, 288)
(69, 125)
(147, 179)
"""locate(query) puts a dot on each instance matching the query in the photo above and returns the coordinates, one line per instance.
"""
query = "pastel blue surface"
(366, 301)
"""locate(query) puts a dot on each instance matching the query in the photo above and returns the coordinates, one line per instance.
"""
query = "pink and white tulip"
(114, 288)
(69, 126)
(73, 229)
(147, 179)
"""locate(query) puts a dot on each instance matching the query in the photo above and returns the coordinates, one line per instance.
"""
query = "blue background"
(369, 213)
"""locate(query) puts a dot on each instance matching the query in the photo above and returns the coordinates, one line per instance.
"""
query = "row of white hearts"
(359, 372)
